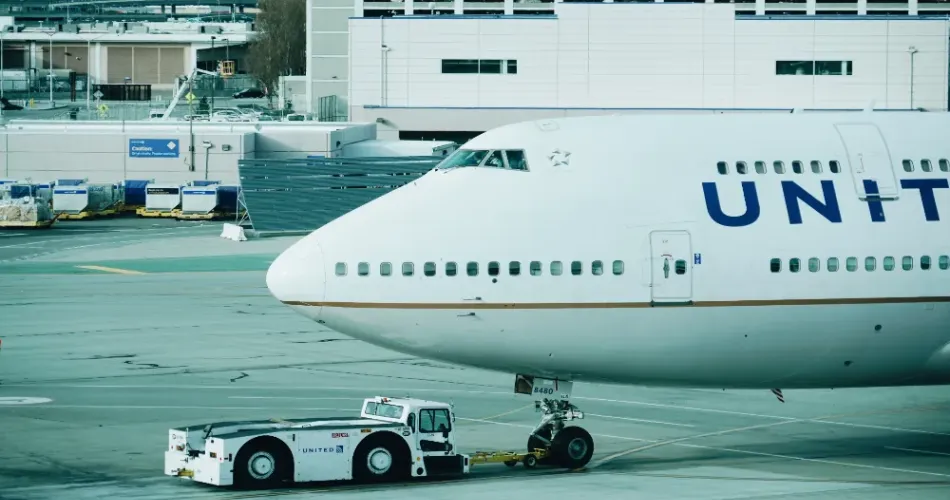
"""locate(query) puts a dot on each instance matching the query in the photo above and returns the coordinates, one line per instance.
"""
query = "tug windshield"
(384, 410)
(510, 159)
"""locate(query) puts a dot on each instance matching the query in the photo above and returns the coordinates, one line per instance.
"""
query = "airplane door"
(869, 158)
(671, 274)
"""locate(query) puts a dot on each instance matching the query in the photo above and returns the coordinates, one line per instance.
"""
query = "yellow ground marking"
(110, 270)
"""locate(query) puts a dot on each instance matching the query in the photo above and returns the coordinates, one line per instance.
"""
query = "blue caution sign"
(153, 148)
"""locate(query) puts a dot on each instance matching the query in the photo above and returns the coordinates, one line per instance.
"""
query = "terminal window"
(813, 68)
(479, 66)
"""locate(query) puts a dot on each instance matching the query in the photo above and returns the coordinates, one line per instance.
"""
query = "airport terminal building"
(438, 69)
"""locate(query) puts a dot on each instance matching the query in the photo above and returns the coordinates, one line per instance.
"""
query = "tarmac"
(114, 331)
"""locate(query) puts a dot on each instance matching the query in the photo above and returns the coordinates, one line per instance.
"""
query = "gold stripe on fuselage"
(618, 305)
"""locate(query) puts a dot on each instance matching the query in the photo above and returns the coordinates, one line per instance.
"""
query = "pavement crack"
(243, 375)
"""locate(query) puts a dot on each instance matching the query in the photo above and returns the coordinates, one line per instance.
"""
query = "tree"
(280, 47)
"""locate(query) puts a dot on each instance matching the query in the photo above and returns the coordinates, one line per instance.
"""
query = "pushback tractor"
(393, 439)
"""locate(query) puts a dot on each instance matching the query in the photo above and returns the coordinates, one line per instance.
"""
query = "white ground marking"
(17, 401)
(925, 452)
(166, 407)
(759, 415)
(630, 419)
(458, 391)
(732, 450)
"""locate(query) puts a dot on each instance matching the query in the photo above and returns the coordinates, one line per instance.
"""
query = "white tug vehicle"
(393, 439)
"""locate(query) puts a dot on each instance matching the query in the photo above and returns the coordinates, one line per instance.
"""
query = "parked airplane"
(801, 250)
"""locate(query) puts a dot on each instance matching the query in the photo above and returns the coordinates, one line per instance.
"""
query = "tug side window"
(434, 421)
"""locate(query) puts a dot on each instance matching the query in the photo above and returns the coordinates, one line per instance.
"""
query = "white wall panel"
(646, 56)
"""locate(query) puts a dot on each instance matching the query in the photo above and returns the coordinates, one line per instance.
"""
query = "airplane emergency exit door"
(869, 159)
(671, 274)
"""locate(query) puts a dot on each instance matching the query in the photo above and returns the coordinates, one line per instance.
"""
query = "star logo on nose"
(559, 157)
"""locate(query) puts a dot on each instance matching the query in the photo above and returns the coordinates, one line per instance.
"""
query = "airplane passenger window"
(428, 268)
(516, 160)
(924, 262)
(681, 267)
(908, 165)
(495, 160)
(363, 269)
(407, 268)
(760, 167)
(463, 158)
(814, 264)
(851, 264)
(775, 265)
(794, 265)
(722, 167)
(451, 268)
(493, 268)
(741, 168)
(514, 268)
(944, 165)
(834, 166)
(385, 269)
(926, 166)
(797, 167)
(597, 268)
(472, 268)
(815, 167)
(870, 263)
(618, 267)
(577, 267)
(535, 268)
(779, 167)
(341, 268)
(907, 263)
(833, 264)
(556, 268)
(943, 262)
(888, 263)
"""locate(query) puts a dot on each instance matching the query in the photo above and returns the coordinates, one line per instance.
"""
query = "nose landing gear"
(570, 447)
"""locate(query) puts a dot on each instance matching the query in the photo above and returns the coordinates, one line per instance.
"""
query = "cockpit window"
(516, 160)
(510, 159)
(464, 158)
(495, 160)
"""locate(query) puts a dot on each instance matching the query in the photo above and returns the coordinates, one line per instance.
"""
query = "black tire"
(530, 461)
(572, 448)
(511, 463)
(262, 463)
(381, 459)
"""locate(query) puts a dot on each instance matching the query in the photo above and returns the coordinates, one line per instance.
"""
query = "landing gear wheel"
(259, 465)
(530, 461)
(572, 447)
(378, 461)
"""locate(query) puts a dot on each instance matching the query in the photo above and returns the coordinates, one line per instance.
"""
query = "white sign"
(98, 94)
(23, 401)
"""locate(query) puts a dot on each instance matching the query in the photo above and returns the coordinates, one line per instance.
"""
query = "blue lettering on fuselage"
(825, 205)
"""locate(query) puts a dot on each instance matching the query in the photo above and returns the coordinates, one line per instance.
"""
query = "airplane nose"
(297, 276)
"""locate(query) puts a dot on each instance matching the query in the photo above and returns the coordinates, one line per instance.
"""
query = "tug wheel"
(535, 443)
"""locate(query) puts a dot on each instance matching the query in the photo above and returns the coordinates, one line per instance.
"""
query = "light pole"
(89, 67)
(50, 76)
(2, 53)
(214, 79)
(912, 50)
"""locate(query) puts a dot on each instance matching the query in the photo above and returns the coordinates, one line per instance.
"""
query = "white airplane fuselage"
(697, 303)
